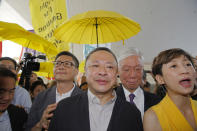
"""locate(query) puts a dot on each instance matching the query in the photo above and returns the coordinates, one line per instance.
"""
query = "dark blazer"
(194, 97)
(41, 102)
(17, 116)
(149, 98)
(72, 114)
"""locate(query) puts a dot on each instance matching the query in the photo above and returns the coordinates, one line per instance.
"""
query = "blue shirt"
(5, 122)
(22, 98)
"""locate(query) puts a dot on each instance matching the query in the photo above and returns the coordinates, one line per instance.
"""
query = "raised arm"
(45, 120)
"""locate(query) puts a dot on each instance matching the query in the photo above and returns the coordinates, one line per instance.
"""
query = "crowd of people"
(113, 96)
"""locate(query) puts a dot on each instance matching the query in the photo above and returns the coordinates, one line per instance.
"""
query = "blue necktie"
(131, 96)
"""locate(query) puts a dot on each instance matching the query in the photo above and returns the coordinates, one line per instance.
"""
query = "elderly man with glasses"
(65, 69)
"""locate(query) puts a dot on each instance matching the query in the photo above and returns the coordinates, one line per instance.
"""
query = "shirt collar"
(94, 100)
(136, 92)
(16, 87)
(4, 116)
(67, 93)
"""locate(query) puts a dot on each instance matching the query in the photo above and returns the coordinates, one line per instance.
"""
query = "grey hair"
(131, 51)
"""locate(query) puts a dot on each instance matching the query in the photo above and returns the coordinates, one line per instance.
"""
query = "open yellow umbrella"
(15, 33)
(94, 27)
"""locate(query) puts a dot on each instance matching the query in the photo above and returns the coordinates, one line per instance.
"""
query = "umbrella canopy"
(15, 33)
(95, 27)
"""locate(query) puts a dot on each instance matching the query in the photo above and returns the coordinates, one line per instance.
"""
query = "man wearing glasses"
(65, 69)
(21, 95)
(12, 118)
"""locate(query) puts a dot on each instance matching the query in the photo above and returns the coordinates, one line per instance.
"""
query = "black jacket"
(72, 114)
(149, 98)
(17, 116)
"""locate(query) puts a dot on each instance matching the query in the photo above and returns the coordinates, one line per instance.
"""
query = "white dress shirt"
(22, 98)
(5, 124)
(59, 96)
(138, 99)
(100, 115)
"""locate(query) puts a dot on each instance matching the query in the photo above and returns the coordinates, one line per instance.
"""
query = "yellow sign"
(46, 69)
(47, 15)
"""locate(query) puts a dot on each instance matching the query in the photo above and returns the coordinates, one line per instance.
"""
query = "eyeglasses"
(65, 63)
(4, 91)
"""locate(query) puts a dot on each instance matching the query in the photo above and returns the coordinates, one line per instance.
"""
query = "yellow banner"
(47, 15)
(46, 69)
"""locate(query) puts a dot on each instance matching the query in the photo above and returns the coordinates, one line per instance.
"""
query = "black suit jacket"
(17, 116)
(149, 98)
(41, 102)
(72, 114)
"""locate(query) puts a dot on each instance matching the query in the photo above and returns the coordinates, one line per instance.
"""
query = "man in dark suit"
(65, 70)
(98, 109)
(130, 73)
(11, 117)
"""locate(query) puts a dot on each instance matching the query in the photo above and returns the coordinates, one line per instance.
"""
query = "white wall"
(165, 23)
(16, 11)
(22, 7)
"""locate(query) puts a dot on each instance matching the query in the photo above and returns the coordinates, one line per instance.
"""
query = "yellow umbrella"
(81, 66)
(15, 33)
(95, 27)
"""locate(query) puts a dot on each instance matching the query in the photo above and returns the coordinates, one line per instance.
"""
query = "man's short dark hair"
(9, 59)
(67, 53)
(101, 49)
(4, 72)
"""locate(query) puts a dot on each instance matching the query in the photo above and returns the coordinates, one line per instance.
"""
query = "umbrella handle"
(96, 32)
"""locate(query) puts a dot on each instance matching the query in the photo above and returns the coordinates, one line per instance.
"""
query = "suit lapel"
(115, 112)
(84, 113)
(120, 92)
(76, 91)
(52, 96)
(146, 101)
(12, 119)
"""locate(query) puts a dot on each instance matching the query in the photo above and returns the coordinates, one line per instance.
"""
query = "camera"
(28, 65)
